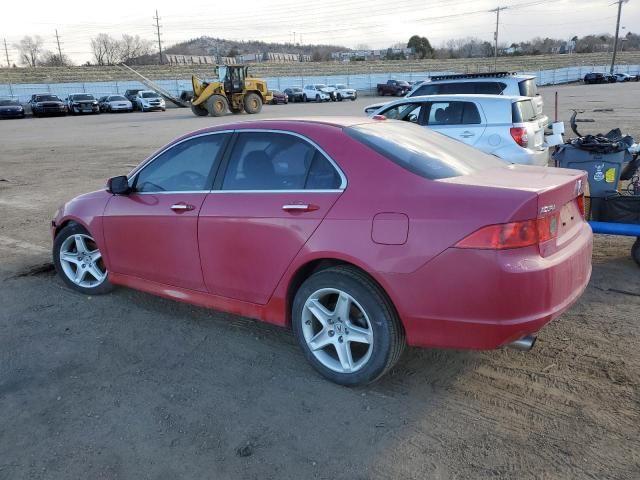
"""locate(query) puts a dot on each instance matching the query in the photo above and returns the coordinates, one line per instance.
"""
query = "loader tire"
(252, 103)
(199, 110)
(217, 105)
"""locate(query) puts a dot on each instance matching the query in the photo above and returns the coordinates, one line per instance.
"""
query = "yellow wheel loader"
(234, 90)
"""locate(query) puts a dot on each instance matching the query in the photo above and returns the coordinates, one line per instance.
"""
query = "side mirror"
(118, 185)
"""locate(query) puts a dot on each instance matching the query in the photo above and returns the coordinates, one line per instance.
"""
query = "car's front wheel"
(79, 262)
(347, 327)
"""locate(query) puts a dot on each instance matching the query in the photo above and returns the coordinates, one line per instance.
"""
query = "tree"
(421, 46)
(106, 49)
(233, 52)
(50, 59)
(30, 49)
(132, 47)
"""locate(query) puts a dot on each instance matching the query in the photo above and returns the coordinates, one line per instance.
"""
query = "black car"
(10, 108)
(46, 104)
(131, 96)
(294, 94)
(596, 77)
(82, 103)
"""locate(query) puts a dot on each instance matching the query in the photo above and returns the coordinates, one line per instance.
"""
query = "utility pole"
(6, 52)
(59, 49)
(294, 38)
(615, 41)
(157, 19)
(495, 35)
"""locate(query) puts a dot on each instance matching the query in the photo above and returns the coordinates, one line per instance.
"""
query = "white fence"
(365, 83)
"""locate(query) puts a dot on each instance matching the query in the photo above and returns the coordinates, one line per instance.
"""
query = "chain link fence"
(365, 83)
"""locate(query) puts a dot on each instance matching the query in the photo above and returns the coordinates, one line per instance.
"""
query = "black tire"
(199, 110)
(304, 98)
(66, 232)
(252, 103)
(388, 333)
(217, 105)
(635, 251)
(380, 92)
(318, 99)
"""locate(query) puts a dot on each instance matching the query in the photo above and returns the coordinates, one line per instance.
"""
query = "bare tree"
(106, 49)
(132, 47)
(50, 59)
(30, 49)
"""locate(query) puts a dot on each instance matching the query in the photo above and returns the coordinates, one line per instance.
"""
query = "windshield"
(82, 97)
(320, 85)
(116, 98)
(528, 88)
(523, 111)
(4, 103)
(341, 86)
(47, 98)
(150, 95)
(421, 151)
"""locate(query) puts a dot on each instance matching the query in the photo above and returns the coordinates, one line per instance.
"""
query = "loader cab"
(234, 77)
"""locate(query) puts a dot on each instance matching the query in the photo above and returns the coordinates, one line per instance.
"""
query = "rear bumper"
(526, 156)
(484, 299)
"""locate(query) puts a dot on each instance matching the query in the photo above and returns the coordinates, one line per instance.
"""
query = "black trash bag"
(630, 169)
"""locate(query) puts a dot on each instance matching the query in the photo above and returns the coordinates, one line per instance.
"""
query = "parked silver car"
(507, 127)
(500, 83)
(115, 103)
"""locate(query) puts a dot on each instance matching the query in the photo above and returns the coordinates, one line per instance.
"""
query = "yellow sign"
(610, 175)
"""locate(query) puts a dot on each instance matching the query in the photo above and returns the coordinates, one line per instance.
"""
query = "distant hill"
(230, 48)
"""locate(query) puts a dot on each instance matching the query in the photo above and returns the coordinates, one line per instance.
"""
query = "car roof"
(462, 96)
(479, 77)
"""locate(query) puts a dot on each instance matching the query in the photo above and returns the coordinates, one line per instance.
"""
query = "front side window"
(409, 112)
(187, 166)
(453, 113)
(277, 161)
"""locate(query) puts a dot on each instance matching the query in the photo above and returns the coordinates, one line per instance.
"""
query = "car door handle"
(299, 207)
(467, 134)
(182, 207)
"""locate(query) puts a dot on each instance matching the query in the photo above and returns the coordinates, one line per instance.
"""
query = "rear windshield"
(523, 111)
(421, 151)
(528, 88)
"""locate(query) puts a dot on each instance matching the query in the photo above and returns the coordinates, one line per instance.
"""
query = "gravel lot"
(129, 386)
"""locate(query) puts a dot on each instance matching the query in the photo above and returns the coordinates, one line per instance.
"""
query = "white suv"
(317, 93)
(147, 100)
(501, 83)
(507, 127)
(342, 92)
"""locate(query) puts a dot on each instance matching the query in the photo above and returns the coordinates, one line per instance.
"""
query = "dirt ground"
(129, 386)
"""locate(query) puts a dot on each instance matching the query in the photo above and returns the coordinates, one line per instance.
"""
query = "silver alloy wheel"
(82, 262)
(337, 330)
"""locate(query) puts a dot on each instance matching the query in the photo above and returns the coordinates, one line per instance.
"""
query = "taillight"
(519, 134)
(580, 201)
(513, 235)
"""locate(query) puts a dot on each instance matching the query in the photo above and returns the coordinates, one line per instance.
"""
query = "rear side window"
(277, 161)
(528, 88)
(454, 113)
(421, 151)
(523, 111)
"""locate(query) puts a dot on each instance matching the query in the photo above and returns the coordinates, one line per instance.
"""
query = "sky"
(351, 23)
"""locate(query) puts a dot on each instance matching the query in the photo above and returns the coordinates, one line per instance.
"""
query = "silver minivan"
(507, 127)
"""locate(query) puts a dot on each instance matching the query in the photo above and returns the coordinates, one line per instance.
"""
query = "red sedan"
(362, 235)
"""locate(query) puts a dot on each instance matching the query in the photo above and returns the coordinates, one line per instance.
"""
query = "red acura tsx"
(361, 235)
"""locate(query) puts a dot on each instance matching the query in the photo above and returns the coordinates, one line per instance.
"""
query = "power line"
(157, 19)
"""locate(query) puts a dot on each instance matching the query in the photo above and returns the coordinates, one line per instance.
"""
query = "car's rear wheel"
(346, 326)
(79, 262)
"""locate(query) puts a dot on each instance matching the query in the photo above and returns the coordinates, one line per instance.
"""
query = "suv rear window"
(422, 151)
(523, 111)
(528, 88)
